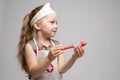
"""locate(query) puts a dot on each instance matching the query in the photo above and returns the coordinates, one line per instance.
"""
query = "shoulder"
(29, 47)
(56, 42)
(31, 42)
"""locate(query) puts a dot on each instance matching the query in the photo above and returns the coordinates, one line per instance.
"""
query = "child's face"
(49, 25)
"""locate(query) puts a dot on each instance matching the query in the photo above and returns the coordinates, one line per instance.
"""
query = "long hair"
(27, 33)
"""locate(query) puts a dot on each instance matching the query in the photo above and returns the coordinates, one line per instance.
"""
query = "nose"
(56, 26)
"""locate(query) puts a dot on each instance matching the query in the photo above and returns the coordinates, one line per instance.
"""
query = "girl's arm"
(63, 65)
(37, 68)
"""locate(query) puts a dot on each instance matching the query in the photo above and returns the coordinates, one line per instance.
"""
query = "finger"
(77, 51)
(58, 52)
(81, 50)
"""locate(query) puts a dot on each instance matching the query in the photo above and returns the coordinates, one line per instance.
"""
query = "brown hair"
(27, 33)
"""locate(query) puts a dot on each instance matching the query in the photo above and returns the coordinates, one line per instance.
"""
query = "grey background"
(95, 21)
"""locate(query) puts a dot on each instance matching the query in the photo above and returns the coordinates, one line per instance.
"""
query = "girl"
(42, 57)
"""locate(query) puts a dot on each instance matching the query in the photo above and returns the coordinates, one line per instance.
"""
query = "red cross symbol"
(50, 68)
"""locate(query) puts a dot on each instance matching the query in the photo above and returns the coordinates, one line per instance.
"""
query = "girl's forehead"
(51, 16)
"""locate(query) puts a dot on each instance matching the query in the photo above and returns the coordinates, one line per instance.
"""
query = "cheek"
(48, 31)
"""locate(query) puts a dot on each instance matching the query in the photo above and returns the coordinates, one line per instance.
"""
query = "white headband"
(46, 9)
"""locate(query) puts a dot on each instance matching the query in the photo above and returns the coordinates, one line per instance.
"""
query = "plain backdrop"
(95, 21)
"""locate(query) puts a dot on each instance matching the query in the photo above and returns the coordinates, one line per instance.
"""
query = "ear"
(37, 26)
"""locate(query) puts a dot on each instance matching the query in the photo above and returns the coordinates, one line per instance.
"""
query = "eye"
(52, 22)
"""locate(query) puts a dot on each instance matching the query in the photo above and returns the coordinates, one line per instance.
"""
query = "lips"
(55, 31)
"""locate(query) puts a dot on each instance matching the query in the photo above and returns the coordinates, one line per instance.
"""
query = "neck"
(44, 41)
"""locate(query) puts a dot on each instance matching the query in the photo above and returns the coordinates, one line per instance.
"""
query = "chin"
(52, 36)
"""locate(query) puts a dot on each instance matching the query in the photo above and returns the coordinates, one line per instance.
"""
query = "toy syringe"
(73, 45)
(68, 47)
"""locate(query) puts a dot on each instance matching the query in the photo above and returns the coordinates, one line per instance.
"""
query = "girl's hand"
(78, 52)
(55, 51)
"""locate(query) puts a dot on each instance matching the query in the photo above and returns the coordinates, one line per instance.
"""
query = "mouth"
(54, 31)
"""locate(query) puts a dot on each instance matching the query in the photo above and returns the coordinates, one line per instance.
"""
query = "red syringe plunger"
(72, 46)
